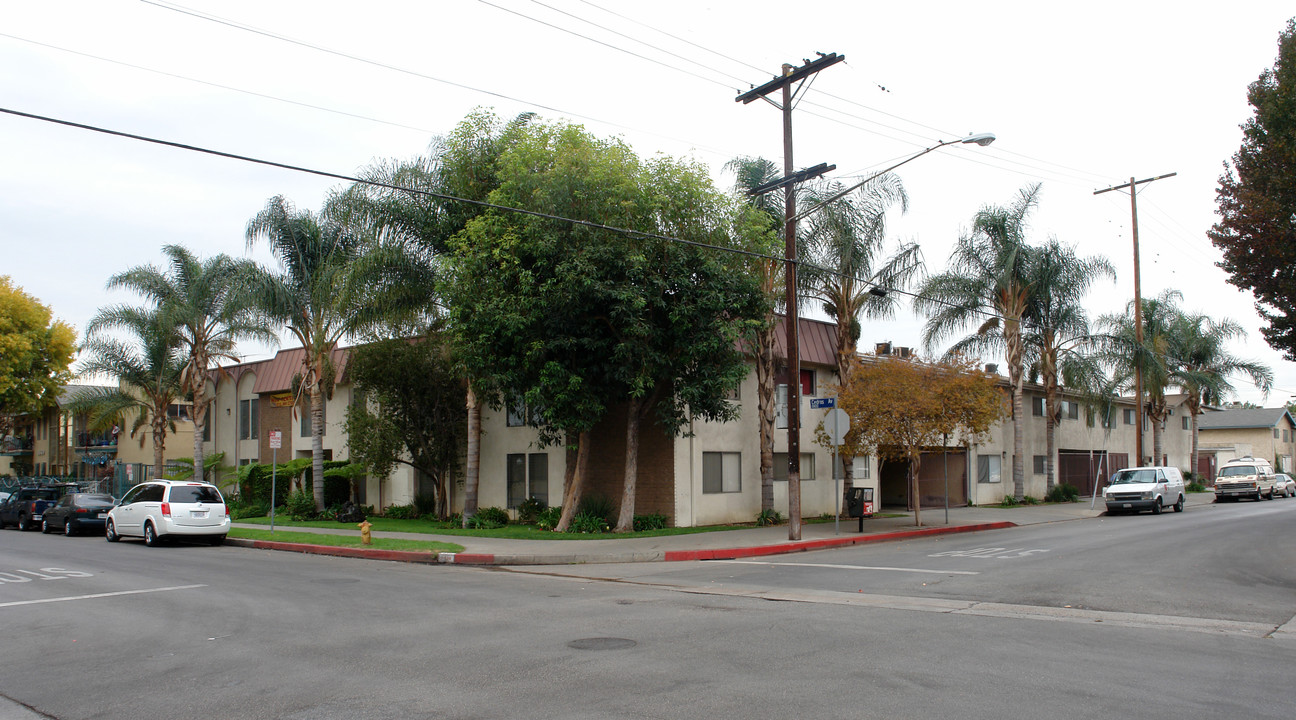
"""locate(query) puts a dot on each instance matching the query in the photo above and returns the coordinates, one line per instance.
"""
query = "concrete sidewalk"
(727, 544)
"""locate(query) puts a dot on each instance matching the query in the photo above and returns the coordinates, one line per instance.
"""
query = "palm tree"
(1057, 332)
(988, 274)
(148, 368)
(314, 295)
(751, 173)
(842, 268)
(1156, 357)
(1205, 365)
(211, 307)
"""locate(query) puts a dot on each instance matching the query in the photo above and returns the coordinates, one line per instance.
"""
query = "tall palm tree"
(750, 173)
(1205, 365)
(148, 368)
(988, 274)
(1156, 357)
(842, 266)
(1057, 329)
(210, 305)
(314, 294)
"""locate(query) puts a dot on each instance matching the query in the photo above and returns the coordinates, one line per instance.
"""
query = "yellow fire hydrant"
(364, 532)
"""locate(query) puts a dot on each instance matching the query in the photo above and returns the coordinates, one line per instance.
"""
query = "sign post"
(276, 442)
(836, 424)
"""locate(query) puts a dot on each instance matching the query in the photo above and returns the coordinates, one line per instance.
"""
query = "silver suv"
(162, 509)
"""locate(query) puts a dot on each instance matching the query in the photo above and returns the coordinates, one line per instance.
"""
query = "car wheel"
(45, 528)
(23, 523)
(110, 532)
(68, 530)
(1156, 506)
(1178, 506)
(217, 540)
(150, 535)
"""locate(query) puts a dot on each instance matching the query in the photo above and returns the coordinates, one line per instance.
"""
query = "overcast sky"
(1081, 97)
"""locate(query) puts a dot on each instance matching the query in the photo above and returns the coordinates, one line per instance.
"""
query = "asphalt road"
(1174, 616)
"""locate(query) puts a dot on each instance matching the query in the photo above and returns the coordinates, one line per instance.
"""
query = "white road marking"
(850, 567)
(99, 595)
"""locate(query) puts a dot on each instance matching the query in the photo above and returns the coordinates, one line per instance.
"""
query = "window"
(176, 411)
(989, 468)
(781, 466)
(211, 414)
(861, 467)
(1275, 433)
(249, 419)
(528, 477)
(306, 421)
(1129, 416)
(1070, 410)
(1186, 425)
(1040, 462)
(516, 416)
(1286, 436)
(721, 472)
(1037, 406)
(808, 383)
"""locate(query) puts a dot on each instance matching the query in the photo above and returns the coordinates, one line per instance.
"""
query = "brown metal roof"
(278, 372)
(816, 341)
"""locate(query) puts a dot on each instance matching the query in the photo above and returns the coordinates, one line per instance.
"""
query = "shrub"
(528, 510)
(1063, 492)
(651, 521)
(1029, 500)
(548, 518)
(1009, 501)
(425, 503)
(599, 506)
(1195, 486)
(242, 511)
(401, 512)
(494, 515)
(769, 517)
(484, 522)
(585, 522)
(300, 505)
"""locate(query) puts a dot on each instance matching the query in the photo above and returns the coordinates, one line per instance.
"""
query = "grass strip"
(344, 540)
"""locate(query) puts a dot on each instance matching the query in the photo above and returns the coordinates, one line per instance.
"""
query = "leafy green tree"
(988, 277)
(211, 305)
(1056, 338)
(148, 368)
(1204, 365)
(843, 267)
(314, 294)
(413, 410)
(35, 352)
(1256, 200)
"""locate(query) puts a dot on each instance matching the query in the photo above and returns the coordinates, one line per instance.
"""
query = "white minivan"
(1145, 488)
(161, 509)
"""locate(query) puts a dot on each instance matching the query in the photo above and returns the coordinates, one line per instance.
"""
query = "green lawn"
(343, 540)
(513, 532)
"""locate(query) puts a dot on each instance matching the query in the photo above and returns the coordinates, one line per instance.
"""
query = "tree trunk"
(317, 442)
(1012, 337)
(200, 406)
(765, 411)
(473, 469)
(1053, 411)
(625, 521)
(572, 494)
(159, 441)
(1194, 408)
(915, 462)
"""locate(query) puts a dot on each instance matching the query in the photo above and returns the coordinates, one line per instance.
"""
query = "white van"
(1245, 477)
(1145, 488)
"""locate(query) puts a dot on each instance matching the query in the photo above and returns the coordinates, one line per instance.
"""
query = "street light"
(981, 139)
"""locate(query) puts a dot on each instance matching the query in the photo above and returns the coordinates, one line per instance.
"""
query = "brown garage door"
(1080, 467)
(931, 480)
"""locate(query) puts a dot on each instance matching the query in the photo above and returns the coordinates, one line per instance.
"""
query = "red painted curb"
(339, 551)
(805, 545)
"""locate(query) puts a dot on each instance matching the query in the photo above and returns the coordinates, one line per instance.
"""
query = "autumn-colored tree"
(35, 352)
(899, 407)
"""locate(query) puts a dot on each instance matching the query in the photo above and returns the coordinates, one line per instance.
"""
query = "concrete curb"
(488, 559)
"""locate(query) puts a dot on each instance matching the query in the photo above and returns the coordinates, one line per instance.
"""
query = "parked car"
(26, 507)
(77, 511)
(1284, 485)
(1245, 477)
(1145, 488)
(162, 509)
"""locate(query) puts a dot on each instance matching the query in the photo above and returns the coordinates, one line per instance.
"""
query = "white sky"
(1081, 96)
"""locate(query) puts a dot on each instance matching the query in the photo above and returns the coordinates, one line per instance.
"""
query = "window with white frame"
(1037, 405)
(528, 477)
(721, 472)
(1070, 410)
(989, 469)
(248, 419)
(781, 466)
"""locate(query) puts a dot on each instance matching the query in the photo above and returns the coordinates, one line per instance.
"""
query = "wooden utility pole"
(791, 75)
(1138, 310)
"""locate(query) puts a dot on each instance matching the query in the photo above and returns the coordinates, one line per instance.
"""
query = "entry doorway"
(933, 480)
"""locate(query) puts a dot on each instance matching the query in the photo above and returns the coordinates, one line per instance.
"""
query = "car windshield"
(1237, 470)
(1127, 477)
(195, 494)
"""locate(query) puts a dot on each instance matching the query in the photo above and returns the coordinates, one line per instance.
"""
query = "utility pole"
(791, 75)
(1138, 308)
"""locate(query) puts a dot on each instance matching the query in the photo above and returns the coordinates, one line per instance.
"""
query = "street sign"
(276, 439)
(820, 403)
(836, 423)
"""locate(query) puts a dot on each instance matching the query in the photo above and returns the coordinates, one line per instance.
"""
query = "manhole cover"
(602, 643)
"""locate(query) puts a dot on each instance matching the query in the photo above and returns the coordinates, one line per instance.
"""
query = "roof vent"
(992, 368)
(904, 352)
(882, 349)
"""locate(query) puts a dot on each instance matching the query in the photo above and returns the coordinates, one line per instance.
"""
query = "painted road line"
(99, 595)
(850, 567)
